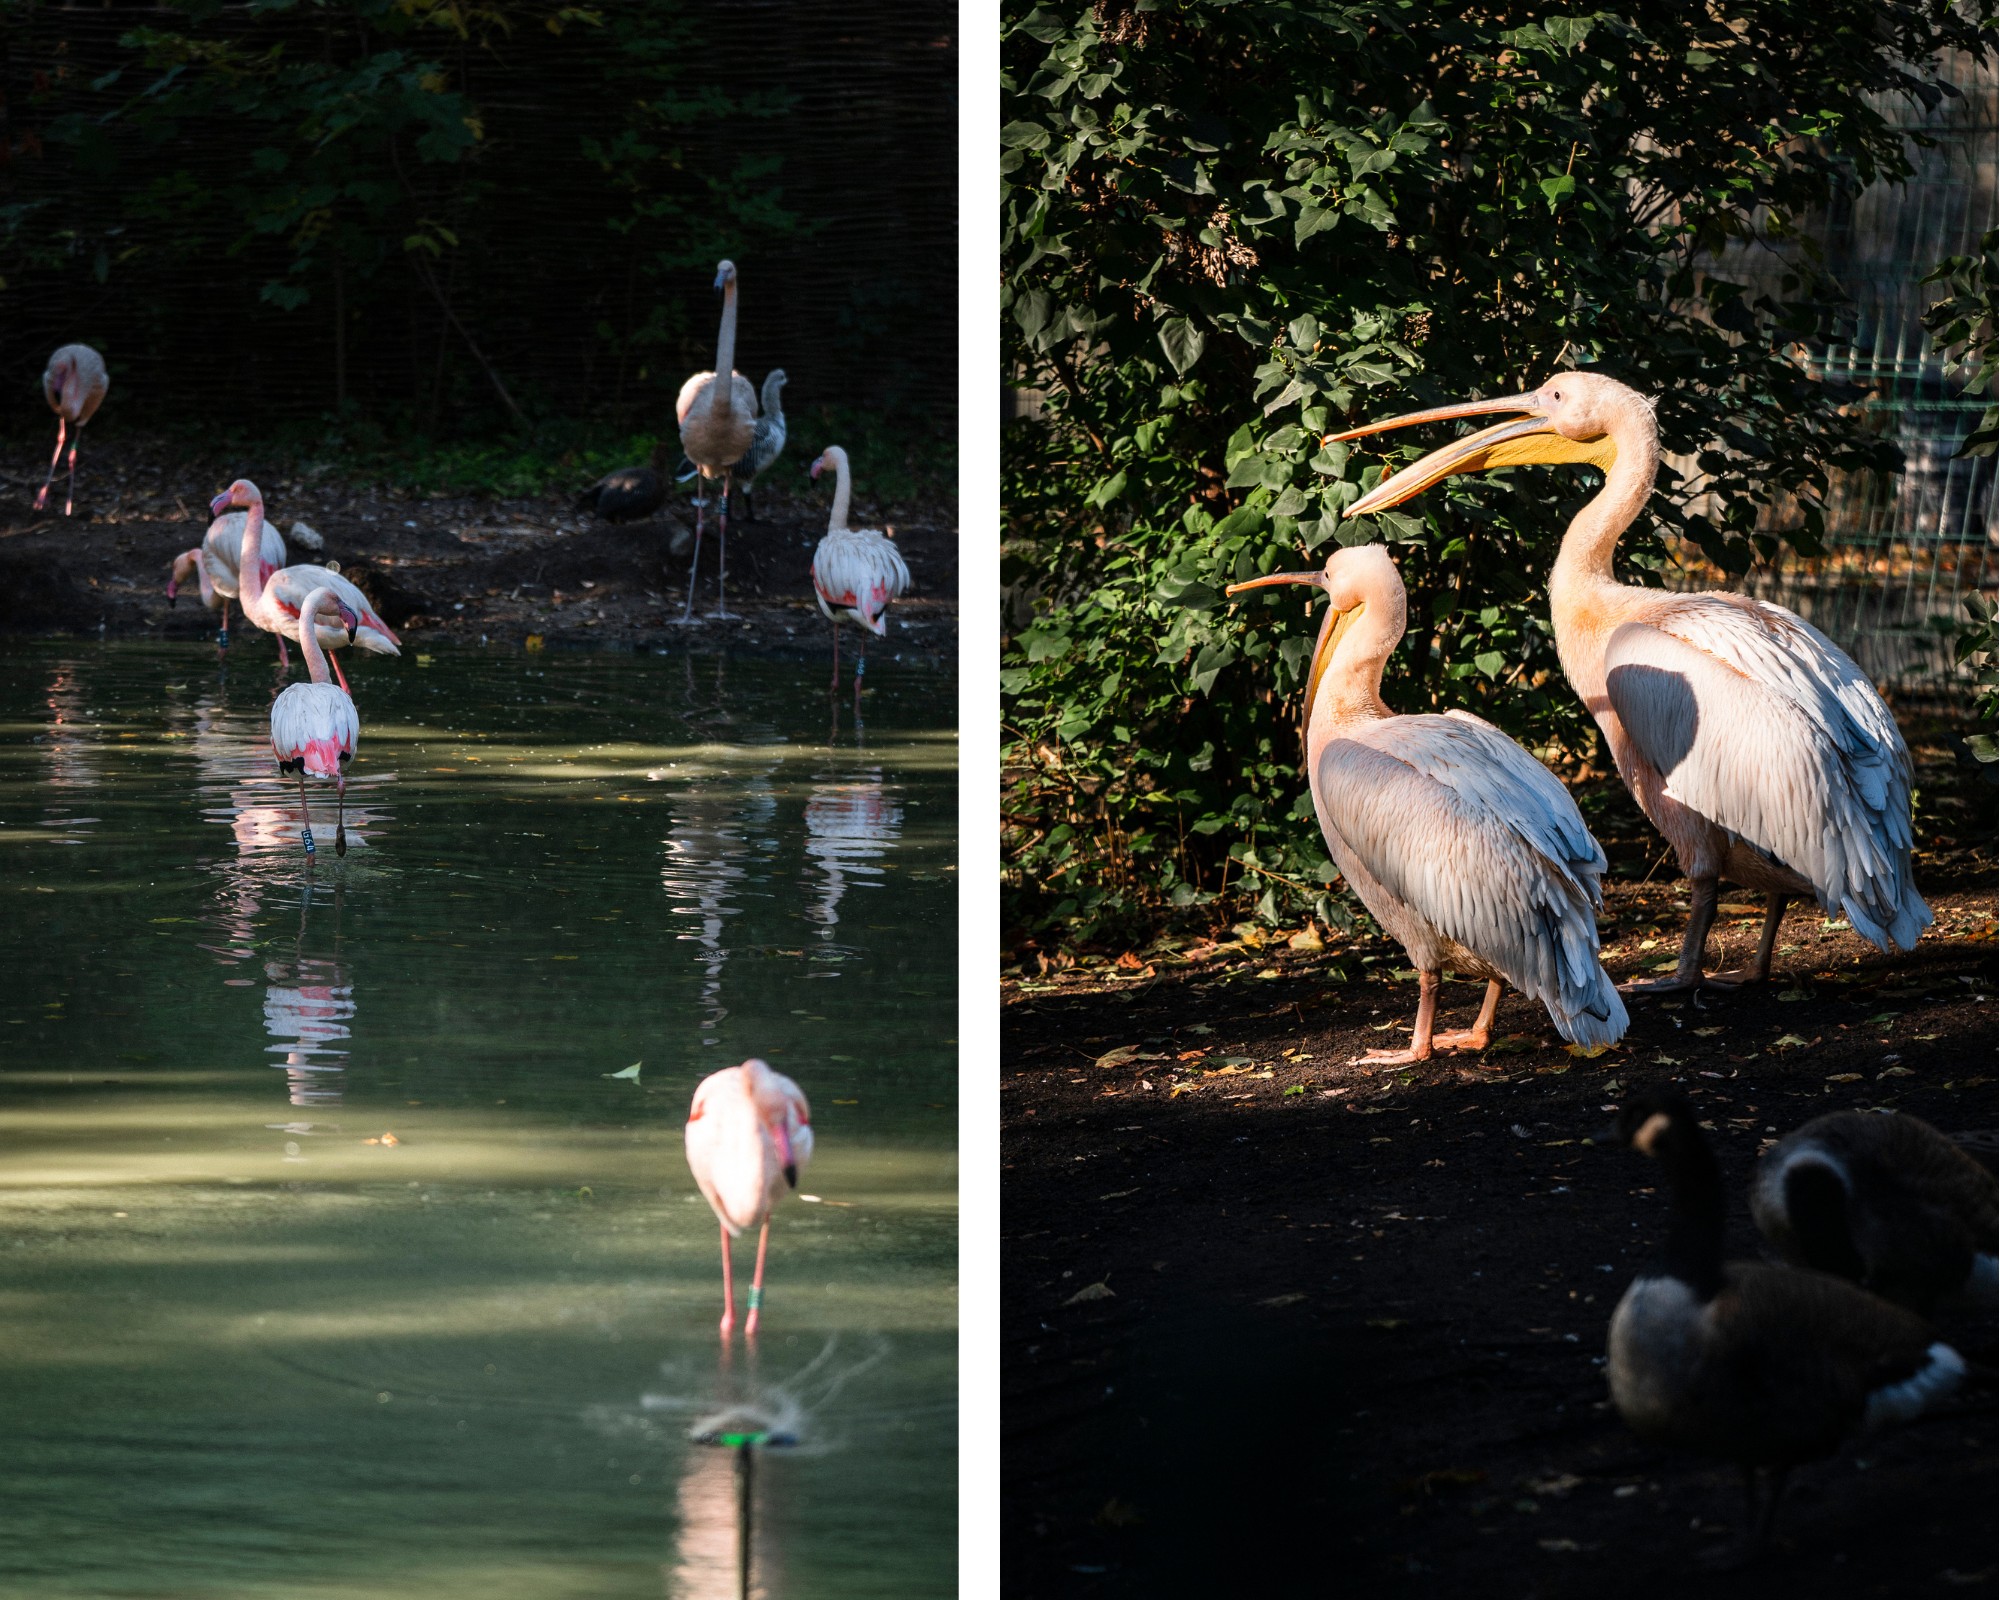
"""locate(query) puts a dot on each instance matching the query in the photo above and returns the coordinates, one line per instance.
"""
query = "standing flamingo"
(275, 600)
(74, 384)
(1762, 753)
(748, 1134)
(314, 726)
(215, 562)
(1467, 850)
(856, 572)
(718, 426)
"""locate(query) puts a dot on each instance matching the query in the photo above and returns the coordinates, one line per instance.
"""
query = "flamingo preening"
(314, 726)
(856, 572)
(749, 1132)
(275, 600)
(718, 427)
(74, 384)
(215, 560)
(1465, 848)
(1749, 740)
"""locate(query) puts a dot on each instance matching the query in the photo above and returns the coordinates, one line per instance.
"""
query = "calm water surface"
(332, 1260)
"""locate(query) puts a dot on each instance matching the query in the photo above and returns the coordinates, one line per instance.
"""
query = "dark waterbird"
(628, 495)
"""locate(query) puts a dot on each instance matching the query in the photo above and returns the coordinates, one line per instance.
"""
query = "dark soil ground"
(1350, 1333)
(462, 569)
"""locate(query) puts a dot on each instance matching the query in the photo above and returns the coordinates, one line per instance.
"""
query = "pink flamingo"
(274, 599)
(748, 1134)
(214, 561)
(314, 726)
(718, 427)
(74, 384)
(856, 572)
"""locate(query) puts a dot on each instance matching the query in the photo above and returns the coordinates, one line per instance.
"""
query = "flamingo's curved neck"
(1585, 601)
(722, 389)
(838, 520)
(1350, 689)
(320, 599)
(250, 571)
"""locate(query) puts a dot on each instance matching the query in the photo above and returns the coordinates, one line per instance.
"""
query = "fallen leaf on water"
(1844, 1077)
(1282, 1300)
(847, 1102)
(631, 1072)
(387, 1138)
(810, 1199)
(1589, 1052)
(1091, 1291)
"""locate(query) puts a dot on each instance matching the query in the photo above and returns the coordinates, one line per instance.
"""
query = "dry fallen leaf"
(1282, 1300)
(1091, 1291)
(1590, 1052)
(1844, 1077)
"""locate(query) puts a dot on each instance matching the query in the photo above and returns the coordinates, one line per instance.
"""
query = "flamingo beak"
(792, 1174)
(173, 589)
(220, 504)
(818, 462)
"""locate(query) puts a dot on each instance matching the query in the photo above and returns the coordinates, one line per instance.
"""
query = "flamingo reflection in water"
(309, 1003)
(850, 824)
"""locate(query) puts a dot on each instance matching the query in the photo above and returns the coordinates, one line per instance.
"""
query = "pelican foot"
(1461, 1039)
(1735, 978)
(1388, 1058)
(1721, 982)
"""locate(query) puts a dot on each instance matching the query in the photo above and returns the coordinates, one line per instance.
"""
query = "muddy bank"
(1355, 1319)
(452, 568)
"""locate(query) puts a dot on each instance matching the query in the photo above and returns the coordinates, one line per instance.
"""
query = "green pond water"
(332, 1261)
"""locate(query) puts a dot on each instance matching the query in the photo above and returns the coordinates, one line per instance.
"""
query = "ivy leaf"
(1558, 189)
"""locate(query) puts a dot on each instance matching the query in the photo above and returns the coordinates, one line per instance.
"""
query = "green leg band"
(756, 1297)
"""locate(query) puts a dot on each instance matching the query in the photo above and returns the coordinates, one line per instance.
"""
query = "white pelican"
(74, 384)
(214, 562)
(749, 1132)
(1467, 850)
(1749, 740)
(314, 726)
(718, 426)
(275, 600)
(856, 572)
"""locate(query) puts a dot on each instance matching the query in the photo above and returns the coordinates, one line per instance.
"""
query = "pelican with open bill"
(1756, 747)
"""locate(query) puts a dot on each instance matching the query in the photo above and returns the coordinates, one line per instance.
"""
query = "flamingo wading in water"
(314, 726)
(215, 562)
(749, 1134)
(718, 427)
(1464, 847)
(856, 572)
(274, 600)
(74, 384)
(1749, 740)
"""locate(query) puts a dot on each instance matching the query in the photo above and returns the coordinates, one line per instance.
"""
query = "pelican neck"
(1350, 689)
(1591, 540)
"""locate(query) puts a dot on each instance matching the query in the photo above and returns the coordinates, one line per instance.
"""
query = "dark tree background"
(454, 218)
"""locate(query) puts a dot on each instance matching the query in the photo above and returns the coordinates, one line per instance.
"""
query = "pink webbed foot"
(1462, 1039)
(1389, 1058)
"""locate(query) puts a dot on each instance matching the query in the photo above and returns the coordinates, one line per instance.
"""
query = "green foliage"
(1231, 228)
(1962, 326)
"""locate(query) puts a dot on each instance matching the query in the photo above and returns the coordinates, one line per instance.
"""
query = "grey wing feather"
(1759, 723)
(1476, 836)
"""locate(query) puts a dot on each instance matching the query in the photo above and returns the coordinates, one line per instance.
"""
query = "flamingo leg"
(722, 610)
(860, 666)
(834, 682)
(334, 657)
(1420, 1036)
(340, 814)
(62, 432)
(284, 656)
(694, 566)
(757, 1282)
(305, 816)
(728, 1290)
(1480, 1034)
(222, 633)
(76, 439)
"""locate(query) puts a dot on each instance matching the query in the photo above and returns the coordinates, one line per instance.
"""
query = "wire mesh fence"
(1901, 557)
(572, 250)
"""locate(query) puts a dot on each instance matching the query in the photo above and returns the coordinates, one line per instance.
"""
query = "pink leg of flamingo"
(62, 432)
(728, 1287)
(757, 1282)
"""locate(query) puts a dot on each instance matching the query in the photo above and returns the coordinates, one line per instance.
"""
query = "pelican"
(718, 417)
(314, 726)
(1467, 850)
(856, 572)
(74, 384)
(749, 1132)
(214, 562)
(1758, 749)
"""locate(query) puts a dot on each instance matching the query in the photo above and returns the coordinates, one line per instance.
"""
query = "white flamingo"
(749, 1133)
(718, 427)
(214, 562)
(856, 572)
(1762, 753)
(314, 726)
(74, 384)
(275, 600)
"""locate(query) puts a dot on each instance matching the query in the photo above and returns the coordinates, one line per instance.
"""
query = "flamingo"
(718, 427)
(767, 440)
(214, 561)
(74, 384)
(856, 572)
(1749, 740)
(749, 1132)
(274, 600)
(314, 726)
(1466, 849)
